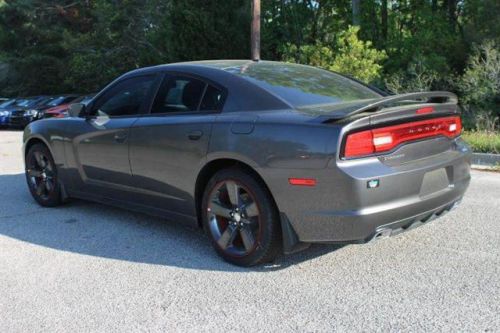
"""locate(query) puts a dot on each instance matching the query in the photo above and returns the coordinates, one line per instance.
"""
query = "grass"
(483, 142)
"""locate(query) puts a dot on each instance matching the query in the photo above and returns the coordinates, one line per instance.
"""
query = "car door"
(168, 145)
(101, 139)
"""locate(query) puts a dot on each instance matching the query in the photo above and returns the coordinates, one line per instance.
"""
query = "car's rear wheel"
(41, 175)
(240, 218)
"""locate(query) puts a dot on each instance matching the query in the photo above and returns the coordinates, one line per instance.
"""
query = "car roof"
(242, 92)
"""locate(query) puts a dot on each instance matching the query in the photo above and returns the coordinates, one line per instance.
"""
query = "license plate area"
(434, 182)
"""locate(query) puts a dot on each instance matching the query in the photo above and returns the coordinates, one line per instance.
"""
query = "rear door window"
(212, 100)
(186, 94)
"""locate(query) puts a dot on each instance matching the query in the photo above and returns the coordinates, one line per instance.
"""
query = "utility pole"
(255, 31)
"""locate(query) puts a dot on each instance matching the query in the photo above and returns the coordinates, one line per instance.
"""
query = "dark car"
(18, 106)
(61, 111)
(265, 156)
(23, 110)
(5, 105)
(35, 108)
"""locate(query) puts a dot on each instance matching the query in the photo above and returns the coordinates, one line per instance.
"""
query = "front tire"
(41, 176)
(240, 218)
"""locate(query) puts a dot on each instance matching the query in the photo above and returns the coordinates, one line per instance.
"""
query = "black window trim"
(168, 75)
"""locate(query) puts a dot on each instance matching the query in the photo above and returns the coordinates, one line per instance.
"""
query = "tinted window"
(21, 102)
(212, 100)
(7, 103)
(302, 85)
(179, 94)
(125, 98)
(60, 100)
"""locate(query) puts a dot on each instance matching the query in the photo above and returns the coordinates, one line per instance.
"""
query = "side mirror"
(75, 110)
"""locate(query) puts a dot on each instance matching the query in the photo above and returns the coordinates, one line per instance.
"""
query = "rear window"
(7, 103)
(301, 85)
(57, 100)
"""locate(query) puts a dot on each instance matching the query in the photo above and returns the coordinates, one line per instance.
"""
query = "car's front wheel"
(41, 175)
(240, 218)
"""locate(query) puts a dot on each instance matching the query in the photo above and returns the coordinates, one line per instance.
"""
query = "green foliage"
(197, 30)
(480, 86)
(79, 46)
(55, 46)
(483, 141)
(357, 58)
(416, 78)
(349, 55)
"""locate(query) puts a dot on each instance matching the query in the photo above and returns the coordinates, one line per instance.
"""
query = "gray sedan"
(267, 157)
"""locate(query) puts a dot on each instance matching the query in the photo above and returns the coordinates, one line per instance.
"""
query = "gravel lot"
(88, 267)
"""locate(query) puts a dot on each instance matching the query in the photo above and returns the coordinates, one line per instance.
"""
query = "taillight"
(384, 139)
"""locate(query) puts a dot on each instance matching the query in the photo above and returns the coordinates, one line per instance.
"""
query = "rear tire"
(240, 217)
(41, 176)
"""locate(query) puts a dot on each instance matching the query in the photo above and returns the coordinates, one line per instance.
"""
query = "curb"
(488, 160)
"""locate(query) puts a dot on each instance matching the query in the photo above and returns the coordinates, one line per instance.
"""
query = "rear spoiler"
(442, 97)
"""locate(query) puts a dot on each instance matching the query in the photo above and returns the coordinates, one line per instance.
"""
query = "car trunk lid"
(397, 129)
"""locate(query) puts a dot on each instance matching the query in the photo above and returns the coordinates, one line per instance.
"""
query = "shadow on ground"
(102, 231)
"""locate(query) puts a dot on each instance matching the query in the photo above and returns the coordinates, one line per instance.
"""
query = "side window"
(212, 100)
(126, 98)
(179, 94)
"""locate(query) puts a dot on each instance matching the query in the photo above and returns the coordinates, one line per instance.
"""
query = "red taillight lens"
(302, 181)
(386, 138)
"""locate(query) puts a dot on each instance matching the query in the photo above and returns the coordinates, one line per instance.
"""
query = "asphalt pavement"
(86, 267)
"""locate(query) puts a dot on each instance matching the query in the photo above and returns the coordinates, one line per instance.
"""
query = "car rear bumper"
(341, 208)
(364, 225)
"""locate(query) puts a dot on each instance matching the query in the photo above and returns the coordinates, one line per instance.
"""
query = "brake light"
(426, 110)
(384, 139)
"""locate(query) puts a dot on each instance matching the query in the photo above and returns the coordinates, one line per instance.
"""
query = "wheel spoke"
(227, 237)
(233, 192)
(39, 188)
(252, 210)
(247, 237)
(39, 159)
(34, 173)
(48, 185)
(219, 210)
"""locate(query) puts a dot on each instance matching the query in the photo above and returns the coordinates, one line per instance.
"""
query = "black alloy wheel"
(41, 175)
(240, 218)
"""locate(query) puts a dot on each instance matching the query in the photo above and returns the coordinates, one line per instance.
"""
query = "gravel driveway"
(87, 267)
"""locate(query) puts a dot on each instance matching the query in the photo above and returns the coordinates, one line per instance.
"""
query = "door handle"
(195, 135)
(120, 137)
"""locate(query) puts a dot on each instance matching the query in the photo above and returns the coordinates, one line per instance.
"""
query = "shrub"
(480, 87)
(482, 141)
(349, 55)
(416, 78)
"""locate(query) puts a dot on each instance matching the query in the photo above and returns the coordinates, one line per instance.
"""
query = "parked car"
(4, 111)
(18, 106)
(34, 109)
(263, 155)
(61, 111)
(16, 111)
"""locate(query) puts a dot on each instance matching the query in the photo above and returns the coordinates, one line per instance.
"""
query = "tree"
(349, 55)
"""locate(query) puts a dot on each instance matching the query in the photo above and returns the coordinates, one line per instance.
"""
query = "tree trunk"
(355, 12)
(384, 20)
(452, 9)
(434, 5)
